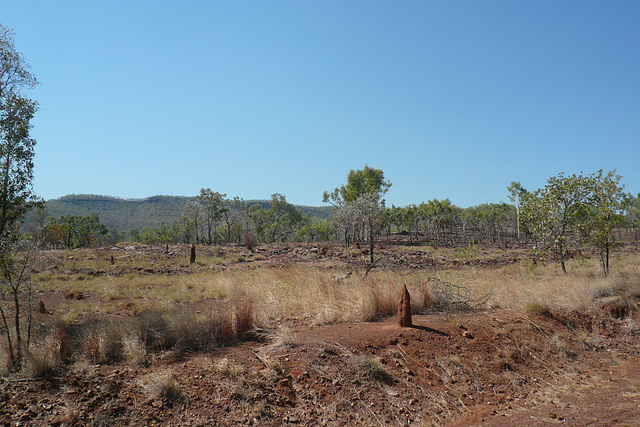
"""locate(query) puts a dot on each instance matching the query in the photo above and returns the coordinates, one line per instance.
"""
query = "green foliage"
(516, 193)
(75, 231)
(574, 209)
(16, 183)
(605, 212)
(490, 219)
(468, 253)
(214, 208)
(359, 183)
(631, 206)
(16, 144)
(127, 215)
(317, 230)
(441, 214)
(283, 219)
(536, 307)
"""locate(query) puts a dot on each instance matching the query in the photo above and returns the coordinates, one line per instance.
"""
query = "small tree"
(16, 281)
(516, 192)
(215, 207)
(16, 178)
(557, 215)
(362, 185)
(631, 207)
(192, 214)
(605, 212)
(369, 210)
(359, 183)
(284, 218)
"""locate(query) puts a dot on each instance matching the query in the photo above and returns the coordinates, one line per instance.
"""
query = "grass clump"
(536, 307)
(47, 358)
(372, 368)
(227, 369)
(103, 344)
(163, 385)
(134, 349)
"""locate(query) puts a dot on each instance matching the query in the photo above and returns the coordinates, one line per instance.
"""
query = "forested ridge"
(130, 214)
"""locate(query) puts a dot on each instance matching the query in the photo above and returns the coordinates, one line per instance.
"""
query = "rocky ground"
(490, 367)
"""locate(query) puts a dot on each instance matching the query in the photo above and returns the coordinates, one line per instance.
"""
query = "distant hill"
(129, 214)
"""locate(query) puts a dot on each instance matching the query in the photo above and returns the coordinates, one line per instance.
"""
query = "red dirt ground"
(490, 368)
(485, 368)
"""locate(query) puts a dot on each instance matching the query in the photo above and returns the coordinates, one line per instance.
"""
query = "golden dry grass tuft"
(372, 368)
(134, 349)
(163, 385)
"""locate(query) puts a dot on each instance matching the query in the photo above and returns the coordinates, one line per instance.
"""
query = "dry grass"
(134, 349)
(283, 337)
(518, 286)
(231, 302)
(163, 385)
(261, 297)
(48, 356)
(372, 368)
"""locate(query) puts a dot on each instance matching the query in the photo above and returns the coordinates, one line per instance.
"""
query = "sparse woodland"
(218, 311)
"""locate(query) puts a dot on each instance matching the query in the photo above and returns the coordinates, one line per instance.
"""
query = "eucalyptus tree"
(258, 218)
(369, 211)
(215, 208)
(557, 214)
(235, 219)
(365, 187)
(284, 219)
(441, 215)
(516, 192)
(317, 230)
(74, 231)
(606, 212)
(359, 183)
(17, 149)
(410, 220)
(192, 218)
(631, 207)
(490, 220)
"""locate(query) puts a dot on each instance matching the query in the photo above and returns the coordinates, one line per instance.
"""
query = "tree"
(16, 177)
(234, 215)
(16, 145)
(606, 197)
(369, 210)
(359, 183)
(558, 214)
(318, 230)
(516, 192)
(192, 218)
(358, 204)
(491, 220)
(284, 218)
(631, 207)
(215, 207)
(441, 214)
(259, 218)
(76, 231)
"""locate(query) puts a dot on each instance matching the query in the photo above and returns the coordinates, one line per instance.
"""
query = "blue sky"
(451, 99)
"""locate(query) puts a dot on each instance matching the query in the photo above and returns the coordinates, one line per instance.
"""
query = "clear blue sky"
(451, 99)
